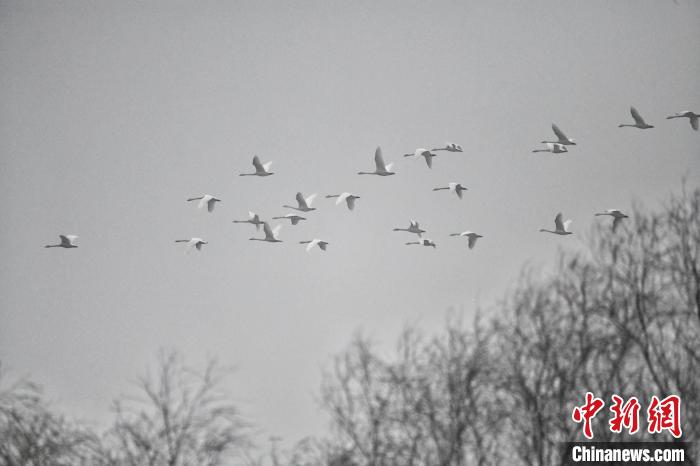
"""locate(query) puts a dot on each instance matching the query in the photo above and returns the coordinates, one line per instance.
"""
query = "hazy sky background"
(114, 113)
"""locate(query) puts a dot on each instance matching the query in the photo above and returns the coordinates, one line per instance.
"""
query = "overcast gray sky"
(115, 112)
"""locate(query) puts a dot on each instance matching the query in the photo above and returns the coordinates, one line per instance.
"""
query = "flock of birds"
(304, 204)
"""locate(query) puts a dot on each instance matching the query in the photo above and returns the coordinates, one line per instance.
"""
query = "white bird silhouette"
(192, 243)
(294, 218)
(617, 216)
(559, 227)
(270, 235)
(425, 153)
(304, 203)
(67, 241)
(561, 137)
(253, 219)
(691, 116)
(423, 242)
(554, 148)
(450, 147)
(347, 197)
(638, 120)
(382, 169)
(457, 188)
(471, 235)
(260, 169)
(206, 200)
(413, 227)
(315, 242)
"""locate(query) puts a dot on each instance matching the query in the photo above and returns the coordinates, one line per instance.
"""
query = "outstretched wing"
(560, 134)
(301, 201)
(616, 222)
(210, 204)
(637, 117)
(428, 159)
(267, 231)
(341, 198)
(67, 240)
(198, 245)
(310, 199)
(567, 225)
(558, 223)
(472, 241)
(351, 202)
(379, 160)
(694, 122)
(256, 163)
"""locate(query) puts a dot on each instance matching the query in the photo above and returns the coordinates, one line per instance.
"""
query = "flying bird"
(561, 137)
(450, 147)
(554, 148)
(471, 235)
(347, 197)
(294, 218)
(304, 203)
(192, 243)
(691, 116)
(315, 242)
(457, 188)
(560, 228)
(638, 120)
(413, 227)
(423, 242)
(423, 153)
(260, 169)
(206, 200)
(617, 216)
(270, 235)
(381, 168)
(253, 219)
(67, 241)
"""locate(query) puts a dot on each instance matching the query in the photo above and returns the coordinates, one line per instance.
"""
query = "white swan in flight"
(253, 219)
(304, 203)
(294, 218)
(260, 169)
(192, 243)
(561, 137)
(691, 116)
(413, 227)
(450, 147)
(315, 242)
(457, 188)
(206, 200)
(425, 153)
(560, 228)
(617, 216)
(382, 169)
(554, 148)
(423, 242)
(471, 235)
(270, 235)
(638, 121)
(67, 241)
(347, 197)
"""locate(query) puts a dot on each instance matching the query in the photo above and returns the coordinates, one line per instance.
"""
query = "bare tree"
(31, 434)
(179, 418)
(621, 318)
